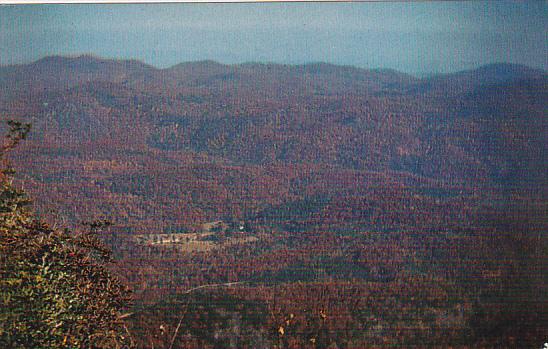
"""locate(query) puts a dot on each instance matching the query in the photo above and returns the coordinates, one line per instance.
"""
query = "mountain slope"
(312, 123)
(305, 206)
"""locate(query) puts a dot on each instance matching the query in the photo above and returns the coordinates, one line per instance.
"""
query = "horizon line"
(341, 65)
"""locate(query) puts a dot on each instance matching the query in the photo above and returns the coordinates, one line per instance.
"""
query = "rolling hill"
(334, 177)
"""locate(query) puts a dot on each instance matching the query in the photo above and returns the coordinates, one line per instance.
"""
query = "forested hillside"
(55, 287)
(352, 207)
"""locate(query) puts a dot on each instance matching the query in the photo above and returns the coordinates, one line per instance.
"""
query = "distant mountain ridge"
(486, 74)
(508, 69)
(491, 74)
(314, 124)
(62, 72)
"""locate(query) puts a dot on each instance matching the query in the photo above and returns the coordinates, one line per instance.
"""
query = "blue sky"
(414, 37)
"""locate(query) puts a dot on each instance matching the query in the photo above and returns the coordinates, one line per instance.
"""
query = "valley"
(350, 207)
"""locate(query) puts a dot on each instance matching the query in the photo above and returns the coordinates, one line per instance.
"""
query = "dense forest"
(312, 206)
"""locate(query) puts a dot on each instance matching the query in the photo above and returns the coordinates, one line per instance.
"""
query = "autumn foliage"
(351, 208)
(55, 291)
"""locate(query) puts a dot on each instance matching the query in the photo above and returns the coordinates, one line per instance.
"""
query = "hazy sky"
(414, 37)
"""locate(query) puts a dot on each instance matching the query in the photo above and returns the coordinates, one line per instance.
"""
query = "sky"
(420, 38)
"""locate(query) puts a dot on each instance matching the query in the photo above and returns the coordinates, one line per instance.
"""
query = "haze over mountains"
(86, 68)
(247, 122)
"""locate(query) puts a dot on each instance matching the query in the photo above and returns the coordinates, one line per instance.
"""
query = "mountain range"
(233, 131)
(347, 207)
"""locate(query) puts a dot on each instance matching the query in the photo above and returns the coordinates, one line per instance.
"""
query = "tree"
(55, 288)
